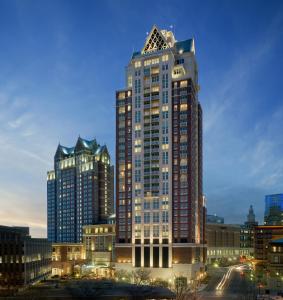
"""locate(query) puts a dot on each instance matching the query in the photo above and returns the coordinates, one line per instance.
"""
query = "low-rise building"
(23, 260)
(268, 256)
(275, 264)
(223, 242)
(214, 219)
(99, 241)
(263, 235)
(66, 256)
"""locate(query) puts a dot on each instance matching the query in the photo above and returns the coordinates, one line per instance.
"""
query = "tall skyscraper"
(273, 214)
(159, 199)
(79, 190)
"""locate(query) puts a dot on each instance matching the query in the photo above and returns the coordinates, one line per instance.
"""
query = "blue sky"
(61, 62)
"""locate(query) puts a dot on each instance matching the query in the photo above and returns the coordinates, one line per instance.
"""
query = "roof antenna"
(172, 27)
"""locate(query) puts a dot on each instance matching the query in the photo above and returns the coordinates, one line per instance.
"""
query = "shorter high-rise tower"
(247, 232)
(79, 190)
(251, 216)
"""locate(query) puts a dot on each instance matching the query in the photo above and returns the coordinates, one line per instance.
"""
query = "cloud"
(243, 151)
(19, 121)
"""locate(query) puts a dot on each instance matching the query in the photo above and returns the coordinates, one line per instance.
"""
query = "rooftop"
(82, 145)
(158, 40)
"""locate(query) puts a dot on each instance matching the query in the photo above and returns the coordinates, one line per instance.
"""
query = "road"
(227, 283)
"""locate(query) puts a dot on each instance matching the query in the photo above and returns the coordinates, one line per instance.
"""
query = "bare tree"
(141, 276)
(123, 275)
(182, 290)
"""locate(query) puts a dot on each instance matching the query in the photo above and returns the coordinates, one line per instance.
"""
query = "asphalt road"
(230, 284)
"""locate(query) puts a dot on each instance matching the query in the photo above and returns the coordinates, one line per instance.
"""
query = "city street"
(227, 283)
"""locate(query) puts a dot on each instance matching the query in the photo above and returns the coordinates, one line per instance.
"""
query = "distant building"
(247, 232)
(99, 242)
(214, 219)
(275, 264)
(262, 236)
(159, 197)
(223, 242)
(268, 254)
(79, 190)
(23, 260)
(273, 214)
(65, 257)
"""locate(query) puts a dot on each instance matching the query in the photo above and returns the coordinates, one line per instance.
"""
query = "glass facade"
(273, 214)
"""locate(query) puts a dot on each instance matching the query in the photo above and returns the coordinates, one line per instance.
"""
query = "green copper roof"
(185, 46)
(67, 150)
(82, 145)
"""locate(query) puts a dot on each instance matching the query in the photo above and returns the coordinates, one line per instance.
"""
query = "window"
(137, 175)
(137, 64)
(165, 67)
(137, 133)
(146, 71)
(165, 157)
(137, 116)
(138, 218)
(155, 78)
(165, 175)
(137, 102)
(155, 231)
(180, 61)
(164, 97)
(147, 217)
(146, 231)
(165, 188)
(156, 204)
(137, 86)
(165, 127)
(165, 114)
(155, 217)
(138, 73)
(146, 205)
(165, 217)
(165, 81)
(138, 162)
(165, 140)
(165, 57)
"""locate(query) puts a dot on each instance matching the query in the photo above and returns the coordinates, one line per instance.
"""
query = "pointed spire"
(251, 215)
(155, 41)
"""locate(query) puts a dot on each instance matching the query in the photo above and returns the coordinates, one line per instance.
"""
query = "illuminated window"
(130, 81)
(122, 110)
(137, 64)
(121, 95)
(165, 57)
(183, 107)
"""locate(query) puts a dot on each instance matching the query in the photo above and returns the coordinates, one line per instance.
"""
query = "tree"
(141, 276)
(122, 275)
(181, 288)
(160, 282)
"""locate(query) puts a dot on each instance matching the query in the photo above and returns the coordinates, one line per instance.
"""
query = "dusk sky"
(62, 61)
